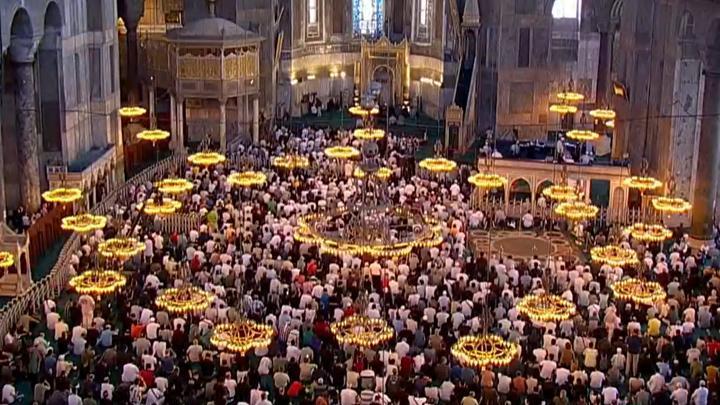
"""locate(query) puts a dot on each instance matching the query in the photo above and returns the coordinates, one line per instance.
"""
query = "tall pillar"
(604, 61)
(173, 123)
(223, 127)
(131, 13)
(3, 206)
(22, 54)
(256, 121)
(180, 123)
(151, 105)
(708, 174)
(132, 60)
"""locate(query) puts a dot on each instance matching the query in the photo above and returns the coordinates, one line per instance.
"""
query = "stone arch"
(53, 17)
(387, 95)
(520, 189)
(616, 11)
(618, 201)
(20, 47)
(542, 186)
(21, 27)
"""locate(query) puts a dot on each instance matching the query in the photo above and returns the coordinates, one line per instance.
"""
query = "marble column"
(223, 127)
(132, 61)
(707, 173)
(173, 123)
(151, 105)
(26, 127)
(3, 206)
(256, 121)
(180, 123)
(604, 61)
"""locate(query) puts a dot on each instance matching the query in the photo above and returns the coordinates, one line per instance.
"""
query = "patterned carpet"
(522, 244)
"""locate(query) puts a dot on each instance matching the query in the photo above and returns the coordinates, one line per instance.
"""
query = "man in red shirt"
(148, 376)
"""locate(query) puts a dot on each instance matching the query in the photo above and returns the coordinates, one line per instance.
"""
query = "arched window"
(423, 8)
(368, 17)
(566, 9)
(687, 25)
(564, 43)
(423, 12)
(312, 12)
(313, 25)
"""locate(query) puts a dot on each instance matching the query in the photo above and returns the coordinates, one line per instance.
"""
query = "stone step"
(8, 285)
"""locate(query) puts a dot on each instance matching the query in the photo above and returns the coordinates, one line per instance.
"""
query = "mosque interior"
(590, 114)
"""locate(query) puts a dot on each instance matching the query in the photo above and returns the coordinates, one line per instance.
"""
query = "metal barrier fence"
(606, 216)
(55, 282)
(180, 223)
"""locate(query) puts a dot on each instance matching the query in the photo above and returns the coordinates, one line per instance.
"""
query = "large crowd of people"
(123, 349)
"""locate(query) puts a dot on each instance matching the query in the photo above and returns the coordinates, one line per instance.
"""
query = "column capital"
(22, 50)
(131, 13)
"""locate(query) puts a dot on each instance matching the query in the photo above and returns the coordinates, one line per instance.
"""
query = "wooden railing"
(55, 282)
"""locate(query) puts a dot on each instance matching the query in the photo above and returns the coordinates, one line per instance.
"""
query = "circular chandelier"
(649, 232)
(6, 259)
(184, 300)
(484, 351)
(363, 112)
(342, 152)
(671, 205)
(638, 291)
(546, 308)
(438, 165)
(561, 192)
(161, 206)
(174, 186)
(381, 173)
(563, 109)
(642, 183)
(131, 112)
(98, 282)
(582, 135)
(614, 255)
(247, 179)
(570, 96)
(603, 114)
(369, 134)
(368, 233)
(369, 223)
(83, 223)
(361, 331)
(241, 336)
(576, 210)
(206, 158)
(291, 162)
(487, 180)
(153, 135)
(62, 195)
(120, 248)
